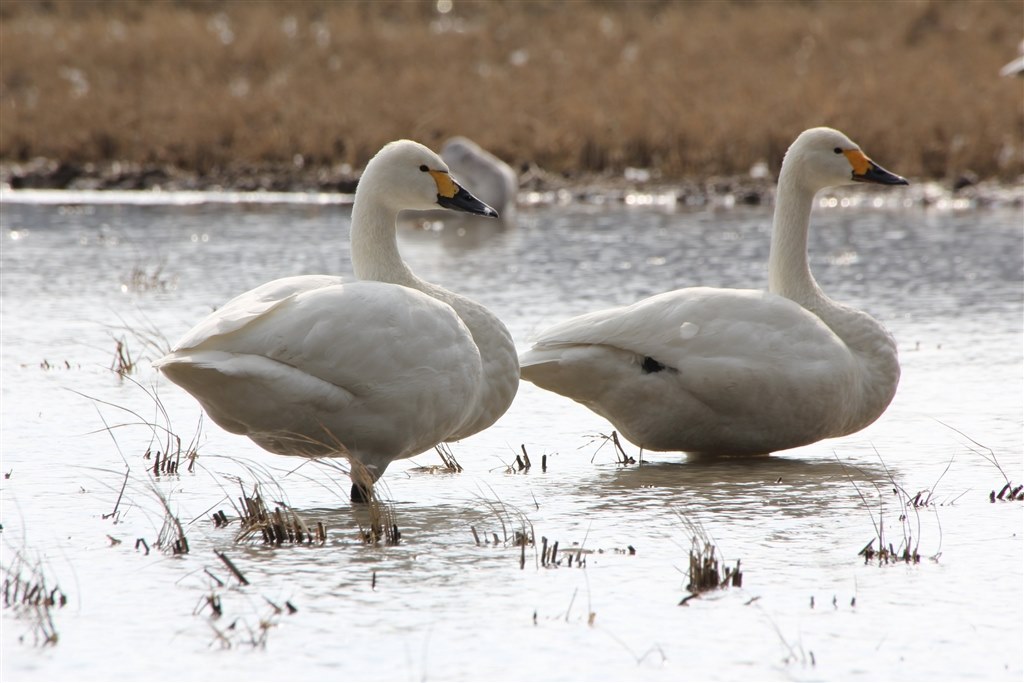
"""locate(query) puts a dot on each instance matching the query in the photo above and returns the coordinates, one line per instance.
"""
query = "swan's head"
(823, 157)
(406, 175)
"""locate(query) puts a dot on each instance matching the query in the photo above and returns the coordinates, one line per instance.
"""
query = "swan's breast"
(500, 362)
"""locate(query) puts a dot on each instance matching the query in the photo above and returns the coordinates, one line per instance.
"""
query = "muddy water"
(440, 605)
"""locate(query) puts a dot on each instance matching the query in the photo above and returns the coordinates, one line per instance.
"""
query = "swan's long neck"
(375, 244)
(789, 275)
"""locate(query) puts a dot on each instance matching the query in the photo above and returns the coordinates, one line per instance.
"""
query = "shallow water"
(948, 284)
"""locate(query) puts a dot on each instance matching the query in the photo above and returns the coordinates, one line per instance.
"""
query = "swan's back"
(696, 368)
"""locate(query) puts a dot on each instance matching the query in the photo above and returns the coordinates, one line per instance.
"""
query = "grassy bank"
(687, 89)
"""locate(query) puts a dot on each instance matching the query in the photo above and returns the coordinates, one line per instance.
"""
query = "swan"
(1016, 67)
(714, 371)
(485, 175)
(374, 370)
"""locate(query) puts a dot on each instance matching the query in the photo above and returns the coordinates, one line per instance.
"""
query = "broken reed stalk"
(704, 569)
(232, 568)
(907, 551)
(1015, 493)
(624, 458)
(164, 441)
(549, 557)
(168, 462)
(140, 279)
(621, 457)
(448, 459)
(122, 363)
(707, 571)
(120, 495)
(275, 527)
(521, 464)
(239, 632)
(172, 535)
(27, 593)
(515, 525)
(146, 333)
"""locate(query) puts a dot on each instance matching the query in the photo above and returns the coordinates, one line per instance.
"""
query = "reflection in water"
(790, 486)
(732, 474)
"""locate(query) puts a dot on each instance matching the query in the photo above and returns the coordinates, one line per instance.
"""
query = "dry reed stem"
(172, 535)
(448, 458)
(449, 465)
(621, 457)
(146, 334)
(283, 525)
(165, 446)
(516, 527)
(122, 364)
(707, 569)
(29, 594)
(907, 551)
(1015, 492)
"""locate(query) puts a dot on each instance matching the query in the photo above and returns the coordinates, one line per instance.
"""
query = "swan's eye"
(837, 150)
(423, 167)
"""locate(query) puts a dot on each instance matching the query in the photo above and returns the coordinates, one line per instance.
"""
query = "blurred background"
(298, 95)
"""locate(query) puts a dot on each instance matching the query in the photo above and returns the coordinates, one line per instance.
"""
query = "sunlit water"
(438, 605)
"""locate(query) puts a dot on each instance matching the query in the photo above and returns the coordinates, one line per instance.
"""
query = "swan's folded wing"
(677, 327)
(361, 336)
(247, 306)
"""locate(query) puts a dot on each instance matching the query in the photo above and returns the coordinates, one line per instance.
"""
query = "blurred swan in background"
(482, 173)
(1016, 67)
(374, 370)
(733, 371)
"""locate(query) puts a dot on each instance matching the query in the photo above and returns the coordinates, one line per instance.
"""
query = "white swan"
(375, 370)
(732, 371)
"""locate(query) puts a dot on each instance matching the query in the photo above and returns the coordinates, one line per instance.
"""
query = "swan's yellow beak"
(446, 186)
(867, 171)
(451, 195)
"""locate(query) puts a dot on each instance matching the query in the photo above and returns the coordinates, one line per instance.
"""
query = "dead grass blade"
(32, 596)
(707, 569)
(621, 456)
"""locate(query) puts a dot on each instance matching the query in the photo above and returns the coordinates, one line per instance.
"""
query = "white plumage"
(730, 371)
(375, 370)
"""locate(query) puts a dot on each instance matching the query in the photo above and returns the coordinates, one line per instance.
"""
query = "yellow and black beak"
(867, 171)
(451, 195)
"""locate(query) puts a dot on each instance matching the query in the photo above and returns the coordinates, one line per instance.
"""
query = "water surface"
(948, 284)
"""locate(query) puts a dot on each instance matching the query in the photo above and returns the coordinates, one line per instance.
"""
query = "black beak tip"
(880, 176)
(464, 201)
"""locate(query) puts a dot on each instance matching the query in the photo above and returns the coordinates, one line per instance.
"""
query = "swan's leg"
(363, 478)
(361, 492)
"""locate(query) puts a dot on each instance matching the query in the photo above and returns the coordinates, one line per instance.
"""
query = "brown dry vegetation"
(687, 89)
